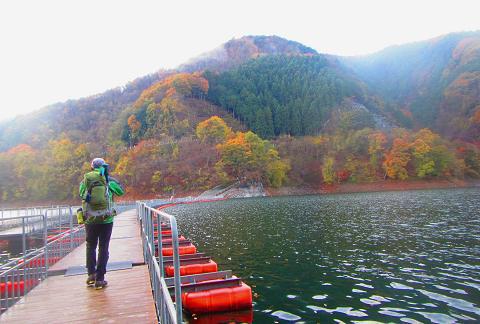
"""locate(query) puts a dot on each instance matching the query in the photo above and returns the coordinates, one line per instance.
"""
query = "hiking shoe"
(100, 284)
(91, 280)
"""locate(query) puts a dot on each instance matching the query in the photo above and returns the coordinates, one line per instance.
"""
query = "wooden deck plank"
(125, 244)
(127, 299)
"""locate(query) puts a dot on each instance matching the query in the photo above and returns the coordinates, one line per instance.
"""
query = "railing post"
(71, 229)
(150, 233)
(45, 238)
(176, 269)
(60, 242)
(24, 251)
(160, 254)
(59, 218)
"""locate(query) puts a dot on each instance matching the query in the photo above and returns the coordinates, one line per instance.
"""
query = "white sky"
(52, 51)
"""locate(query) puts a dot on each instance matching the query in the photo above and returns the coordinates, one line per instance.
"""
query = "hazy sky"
(57, 50)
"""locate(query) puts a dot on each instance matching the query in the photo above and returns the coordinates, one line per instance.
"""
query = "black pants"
(98, 234)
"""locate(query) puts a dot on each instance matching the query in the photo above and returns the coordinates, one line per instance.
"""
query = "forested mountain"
(279, 95)
(238, 51)
(261, 110)
(434, 83)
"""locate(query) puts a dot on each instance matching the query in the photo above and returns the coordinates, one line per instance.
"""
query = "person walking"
(97, 190)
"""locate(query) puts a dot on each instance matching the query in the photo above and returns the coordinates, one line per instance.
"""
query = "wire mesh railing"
(36, 244)
(167, 310)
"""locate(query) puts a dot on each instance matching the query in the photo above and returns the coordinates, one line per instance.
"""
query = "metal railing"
(21, 274)
(26, 211)
(167, 310)
(11, 218)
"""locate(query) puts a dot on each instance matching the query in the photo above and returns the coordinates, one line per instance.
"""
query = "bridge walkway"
(65, 298)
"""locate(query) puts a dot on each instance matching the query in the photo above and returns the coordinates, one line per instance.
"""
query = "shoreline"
(379, 186)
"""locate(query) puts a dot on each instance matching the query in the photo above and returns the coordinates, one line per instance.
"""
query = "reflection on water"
(393, 256)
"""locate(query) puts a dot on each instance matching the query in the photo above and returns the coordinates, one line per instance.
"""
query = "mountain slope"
(85, 120)
(436, 83)
(281, 94)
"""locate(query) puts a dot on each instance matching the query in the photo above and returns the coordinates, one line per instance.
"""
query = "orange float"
(190, 269)
(230, 317)
(167, 240)
(187, 249)
(218, 300)
(40, 262)
(168, 232)
(15, 287)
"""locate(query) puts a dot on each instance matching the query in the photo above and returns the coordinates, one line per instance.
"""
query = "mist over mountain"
(435, 83)
(409, 111)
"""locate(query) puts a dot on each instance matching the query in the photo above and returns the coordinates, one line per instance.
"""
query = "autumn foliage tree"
(328, 171)
(134, 126)
(69, 160)
(184, 84)
(396, 160)
(246, 157)
(52, 173)
(422, 152)
(213, 130)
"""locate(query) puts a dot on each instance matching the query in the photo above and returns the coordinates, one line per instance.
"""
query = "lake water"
(391, 256)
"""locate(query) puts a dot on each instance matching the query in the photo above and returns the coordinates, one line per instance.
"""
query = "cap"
(97, 162)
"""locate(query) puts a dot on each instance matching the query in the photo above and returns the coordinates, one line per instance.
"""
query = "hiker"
(98, 216)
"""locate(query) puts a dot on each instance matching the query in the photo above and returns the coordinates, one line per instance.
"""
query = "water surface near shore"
(390, 256)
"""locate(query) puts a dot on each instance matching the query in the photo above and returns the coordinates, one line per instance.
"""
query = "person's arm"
(115, 187)
(82, 189)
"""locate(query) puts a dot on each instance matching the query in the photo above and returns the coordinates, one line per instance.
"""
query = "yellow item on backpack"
(80, 219)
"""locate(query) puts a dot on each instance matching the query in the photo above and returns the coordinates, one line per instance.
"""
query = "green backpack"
(97, 196)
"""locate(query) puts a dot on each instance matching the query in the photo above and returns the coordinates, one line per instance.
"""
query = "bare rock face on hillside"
(238, 51)
(235, 190)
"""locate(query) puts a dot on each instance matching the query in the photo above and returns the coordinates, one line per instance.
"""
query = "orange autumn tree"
(396, 160)
(134, 126)
(161, 109)
(246, 157)
(184, 84)
(421, 150)
(137, 166)
(213, 130)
